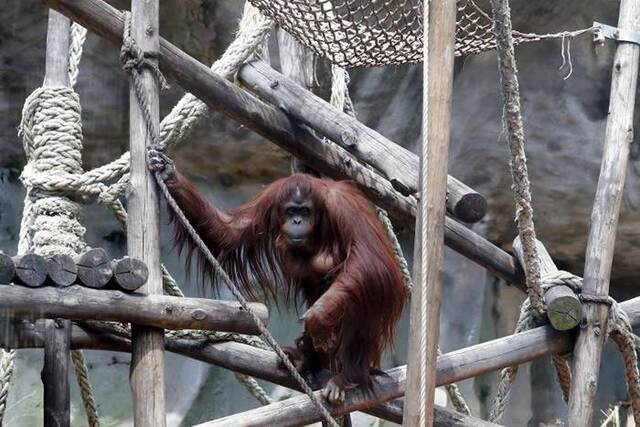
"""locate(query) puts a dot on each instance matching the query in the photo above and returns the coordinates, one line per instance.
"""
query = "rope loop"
(133, 58)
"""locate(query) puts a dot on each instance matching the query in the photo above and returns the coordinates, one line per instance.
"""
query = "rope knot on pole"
(133, 58)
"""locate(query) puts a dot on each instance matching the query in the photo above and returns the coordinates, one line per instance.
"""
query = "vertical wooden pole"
(604, 219)
(428, 264)
(296, 62)
(143, 232)
(55, 371)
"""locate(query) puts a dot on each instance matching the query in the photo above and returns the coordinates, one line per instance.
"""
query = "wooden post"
(55, 372)
(7, 269)
(604, 219)
(61, 270)
(94, 268)
(564, 309)
(143, 232)
(425, 301)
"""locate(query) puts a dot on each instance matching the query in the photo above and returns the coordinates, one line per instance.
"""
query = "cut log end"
(471, 207)
(7, 269)
(130, 273)
(62, 270)
(31, 270)
(564, 312)
(94, 268)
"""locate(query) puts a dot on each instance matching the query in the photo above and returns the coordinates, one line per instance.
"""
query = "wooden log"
(61, 270)
(55, 371)
(398, 164)
(276, 126)
(452, 367)
(564, 309)
(297, 63)
(426, 298)
(31, 270)
(55, 374)
(143, 233)
(130, 274)
(160, 311)
(604, 219)
(7, 269)
(94, 268)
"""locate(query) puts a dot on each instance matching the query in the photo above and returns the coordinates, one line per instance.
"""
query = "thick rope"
(512, 123)
(78, 36)
(86, 391)
(132, 59)
(6, 373)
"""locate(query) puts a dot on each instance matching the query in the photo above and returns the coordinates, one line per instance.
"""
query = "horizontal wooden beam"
(161, 311)
(278, 127)
(398, 164)
(452, 367)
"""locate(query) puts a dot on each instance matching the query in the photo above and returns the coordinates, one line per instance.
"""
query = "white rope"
(422, 330)
(78, 36)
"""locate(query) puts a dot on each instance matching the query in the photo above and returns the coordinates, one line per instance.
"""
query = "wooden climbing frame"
(296, 120)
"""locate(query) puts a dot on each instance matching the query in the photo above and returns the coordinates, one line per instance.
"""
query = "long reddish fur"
(360, 299)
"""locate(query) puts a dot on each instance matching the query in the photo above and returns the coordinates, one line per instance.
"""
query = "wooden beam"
(143, 233)
(62, 271)
(160, 311)
(276, 126)
(130, 274)
(395, 162)
(604, 219)
(7, 269)
(31, 268)
(428, 267)
(94, 268)
(452, 367)
(564, 309)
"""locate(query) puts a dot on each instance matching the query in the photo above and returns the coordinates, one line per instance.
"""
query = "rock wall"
(564, 124)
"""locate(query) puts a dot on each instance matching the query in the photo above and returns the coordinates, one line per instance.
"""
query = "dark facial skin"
(298, 224)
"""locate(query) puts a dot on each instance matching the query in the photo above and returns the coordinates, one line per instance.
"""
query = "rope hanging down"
(532, 310)
(133, 58)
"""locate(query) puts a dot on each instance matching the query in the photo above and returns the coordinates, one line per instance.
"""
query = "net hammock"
(356, 33)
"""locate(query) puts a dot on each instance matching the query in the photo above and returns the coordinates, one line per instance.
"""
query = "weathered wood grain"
(395, 162)
(31, 268)
(160, 311)
(7, 269)
(426, 298)
(61, 270)
(94, 268)
(130, 274)
(147, 374)
(604, 219)
(564, 309)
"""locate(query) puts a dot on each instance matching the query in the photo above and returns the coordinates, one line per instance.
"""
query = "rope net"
(353, 33)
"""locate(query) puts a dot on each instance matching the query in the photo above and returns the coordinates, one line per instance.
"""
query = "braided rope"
(512, 124)
(6, 373)
(254, 388)
(86, 391)
(78, 36)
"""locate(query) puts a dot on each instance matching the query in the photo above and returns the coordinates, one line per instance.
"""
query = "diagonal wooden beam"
(276, 126)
